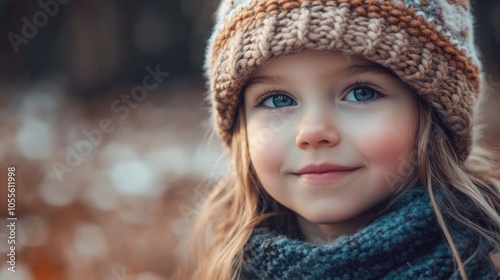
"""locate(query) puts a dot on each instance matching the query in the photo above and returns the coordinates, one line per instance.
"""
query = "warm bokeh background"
(117, 211)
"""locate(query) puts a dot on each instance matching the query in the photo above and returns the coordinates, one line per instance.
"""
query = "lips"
(324, 173)
(322, 168)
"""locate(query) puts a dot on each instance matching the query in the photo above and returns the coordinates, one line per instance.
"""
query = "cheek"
(266, 148)
(389, 143)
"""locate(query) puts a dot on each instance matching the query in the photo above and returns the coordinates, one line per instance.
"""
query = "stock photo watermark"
(121, 107)
(406, 165)
(491, 84)
(258, 141)
(30, 27)
(189, 211)
(11, 219)
(266, 135)
(121, 274)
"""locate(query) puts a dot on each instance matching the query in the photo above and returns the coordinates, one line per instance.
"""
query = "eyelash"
(270, 92)
(364, 86)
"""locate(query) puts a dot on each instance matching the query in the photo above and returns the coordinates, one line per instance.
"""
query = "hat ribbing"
(428, 44)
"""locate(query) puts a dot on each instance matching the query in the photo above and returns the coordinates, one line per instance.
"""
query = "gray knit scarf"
(404, 243)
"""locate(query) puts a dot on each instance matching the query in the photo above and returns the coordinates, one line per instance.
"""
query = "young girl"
(349, 125)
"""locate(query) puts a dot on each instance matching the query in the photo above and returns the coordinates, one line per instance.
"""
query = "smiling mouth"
(324, 174)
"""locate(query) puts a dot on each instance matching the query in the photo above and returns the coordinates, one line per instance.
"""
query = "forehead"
(313, 58)
(313, 65)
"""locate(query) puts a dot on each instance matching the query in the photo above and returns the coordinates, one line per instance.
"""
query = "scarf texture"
(404, 243)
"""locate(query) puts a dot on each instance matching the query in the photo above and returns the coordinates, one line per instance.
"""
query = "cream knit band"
(427, 43)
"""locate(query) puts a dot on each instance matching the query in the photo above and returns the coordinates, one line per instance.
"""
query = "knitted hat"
(428, 44)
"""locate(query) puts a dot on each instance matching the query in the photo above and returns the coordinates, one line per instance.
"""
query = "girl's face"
(330, 136)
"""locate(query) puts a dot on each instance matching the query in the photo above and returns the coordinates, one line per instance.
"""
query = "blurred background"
(108, 184)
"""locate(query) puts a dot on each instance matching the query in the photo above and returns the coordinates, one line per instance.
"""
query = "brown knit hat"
(427, 43)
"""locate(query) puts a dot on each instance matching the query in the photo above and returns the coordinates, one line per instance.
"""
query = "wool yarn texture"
(428, 44)
(405, 243)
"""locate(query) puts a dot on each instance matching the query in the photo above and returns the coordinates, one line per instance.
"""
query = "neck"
(323, 233)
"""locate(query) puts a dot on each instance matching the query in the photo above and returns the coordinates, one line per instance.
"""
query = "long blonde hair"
(238, 203)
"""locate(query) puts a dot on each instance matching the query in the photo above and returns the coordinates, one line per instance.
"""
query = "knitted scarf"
(404, 243)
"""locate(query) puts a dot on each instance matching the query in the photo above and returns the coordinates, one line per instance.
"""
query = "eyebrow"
(352, 70)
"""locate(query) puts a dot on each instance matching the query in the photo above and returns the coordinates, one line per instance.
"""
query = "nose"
(316, 130)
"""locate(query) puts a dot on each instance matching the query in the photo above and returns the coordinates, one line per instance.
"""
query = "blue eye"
(277, 101)
(362, 94)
